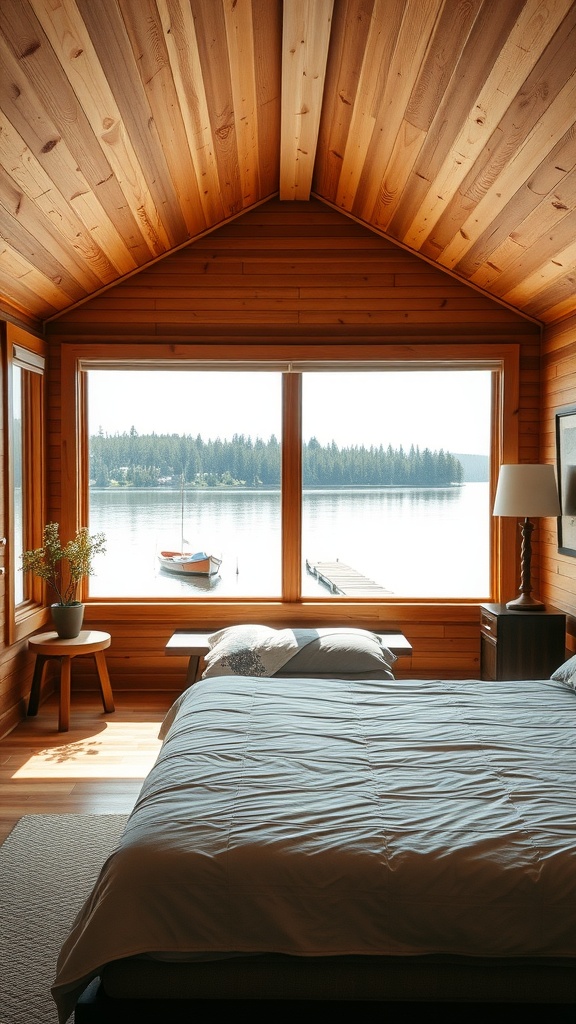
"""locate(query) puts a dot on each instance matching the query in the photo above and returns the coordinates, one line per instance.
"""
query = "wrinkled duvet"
(326, 817)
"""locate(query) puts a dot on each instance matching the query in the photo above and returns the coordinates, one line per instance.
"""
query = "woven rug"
(48, 865)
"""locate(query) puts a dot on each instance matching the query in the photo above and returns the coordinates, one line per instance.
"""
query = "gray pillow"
(344, 653)
(566, 673)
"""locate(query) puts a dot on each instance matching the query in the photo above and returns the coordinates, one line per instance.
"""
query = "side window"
(17, 478)
(25, 498)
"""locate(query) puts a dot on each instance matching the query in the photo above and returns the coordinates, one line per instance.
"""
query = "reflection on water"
(194, 584)
(414, 542)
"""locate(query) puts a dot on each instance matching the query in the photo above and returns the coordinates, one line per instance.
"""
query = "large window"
(308, 480)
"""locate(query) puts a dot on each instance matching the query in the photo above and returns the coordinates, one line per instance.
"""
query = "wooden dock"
(342, 579)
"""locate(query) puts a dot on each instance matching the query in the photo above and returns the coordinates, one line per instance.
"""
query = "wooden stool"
(50, 645)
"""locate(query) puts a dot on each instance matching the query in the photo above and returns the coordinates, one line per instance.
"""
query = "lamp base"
(525, 603)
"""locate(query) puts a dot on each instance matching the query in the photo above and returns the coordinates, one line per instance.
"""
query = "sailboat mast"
(182, 514)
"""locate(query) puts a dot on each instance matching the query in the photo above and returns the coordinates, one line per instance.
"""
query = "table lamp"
(524, 491)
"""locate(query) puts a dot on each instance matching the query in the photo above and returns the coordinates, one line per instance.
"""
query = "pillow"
(341, 653)
(567, 672)
(248, 651)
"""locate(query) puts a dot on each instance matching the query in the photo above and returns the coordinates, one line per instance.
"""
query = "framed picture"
(566, 468)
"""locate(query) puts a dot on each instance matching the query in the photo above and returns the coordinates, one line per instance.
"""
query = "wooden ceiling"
(129, 128)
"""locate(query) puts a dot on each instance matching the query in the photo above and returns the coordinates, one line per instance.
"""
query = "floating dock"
(342, 579)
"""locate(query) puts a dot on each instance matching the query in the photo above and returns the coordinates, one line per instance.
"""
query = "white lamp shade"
(527, 491)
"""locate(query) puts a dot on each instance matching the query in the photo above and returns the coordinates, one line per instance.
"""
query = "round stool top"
(87, 641)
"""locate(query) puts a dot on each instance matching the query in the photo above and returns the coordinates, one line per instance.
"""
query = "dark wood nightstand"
(520, 645)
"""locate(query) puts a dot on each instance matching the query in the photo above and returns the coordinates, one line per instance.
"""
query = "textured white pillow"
(250, 650)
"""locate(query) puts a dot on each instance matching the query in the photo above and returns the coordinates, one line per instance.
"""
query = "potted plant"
(62, 568)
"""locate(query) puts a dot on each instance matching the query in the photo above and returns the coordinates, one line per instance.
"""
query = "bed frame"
(152, 991)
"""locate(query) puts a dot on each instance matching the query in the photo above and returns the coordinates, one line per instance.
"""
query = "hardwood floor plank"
(97, 767)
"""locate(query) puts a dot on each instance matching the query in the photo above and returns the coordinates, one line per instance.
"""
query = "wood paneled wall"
(302, 274)
(445, 641)
(292, 272)
(558, 389)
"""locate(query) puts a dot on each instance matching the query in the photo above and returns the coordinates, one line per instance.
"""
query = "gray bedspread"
(308, 817)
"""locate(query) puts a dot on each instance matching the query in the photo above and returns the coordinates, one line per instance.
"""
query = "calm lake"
(415, 542)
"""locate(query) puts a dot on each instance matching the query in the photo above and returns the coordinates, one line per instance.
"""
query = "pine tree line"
(153, 460)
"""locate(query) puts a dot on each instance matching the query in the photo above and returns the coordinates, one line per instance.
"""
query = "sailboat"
(183, 563)
(188, 563)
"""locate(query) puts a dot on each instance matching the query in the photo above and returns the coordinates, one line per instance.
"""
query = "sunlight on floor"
(102, 756)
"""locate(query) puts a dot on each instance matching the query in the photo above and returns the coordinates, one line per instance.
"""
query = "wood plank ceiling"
(129, 128)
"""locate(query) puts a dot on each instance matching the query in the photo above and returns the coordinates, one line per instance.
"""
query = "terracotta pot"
(67, 619)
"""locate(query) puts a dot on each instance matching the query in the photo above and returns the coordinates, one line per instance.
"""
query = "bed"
(315, 829)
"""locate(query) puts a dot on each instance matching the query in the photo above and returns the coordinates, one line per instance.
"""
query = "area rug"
(48, 865)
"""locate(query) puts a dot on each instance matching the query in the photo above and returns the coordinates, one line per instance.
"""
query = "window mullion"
(292, 486)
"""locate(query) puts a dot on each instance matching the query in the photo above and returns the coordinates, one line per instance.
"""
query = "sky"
(440, 409)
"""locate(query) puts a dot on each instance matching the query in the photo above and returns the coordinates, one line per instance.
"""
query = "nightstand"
(520, 645)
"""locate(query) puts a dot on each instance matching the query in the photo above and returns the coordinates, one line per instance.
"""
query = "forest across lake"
(153, 460)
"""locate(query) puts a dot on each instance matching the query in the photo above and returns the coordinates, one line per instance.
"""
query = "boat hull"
(189, 564)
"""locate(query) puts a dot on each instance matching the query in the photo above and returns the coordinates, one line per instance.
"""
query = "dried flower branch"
(63, 567)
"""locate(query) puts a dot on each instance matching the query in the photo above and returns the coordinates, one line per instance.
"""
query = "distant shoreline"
(236, 488)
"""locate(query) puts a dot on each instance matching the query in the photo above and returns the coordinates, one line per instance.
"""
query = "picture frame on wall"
(566, 471)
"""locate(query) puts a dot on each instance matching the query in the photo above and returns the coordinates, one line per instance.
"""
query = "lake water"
(415, 542)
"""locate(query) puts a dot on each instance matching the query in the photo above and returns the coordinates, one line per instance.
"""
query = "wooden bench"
(193, 644)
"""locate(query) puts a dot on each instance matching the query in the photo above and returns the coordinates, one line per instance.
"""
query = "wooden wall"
(292, 272)
(558, 376)
(303, 274)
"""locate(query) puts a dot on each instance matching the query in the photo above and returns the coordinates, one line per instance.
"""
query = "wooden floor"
(96, 767)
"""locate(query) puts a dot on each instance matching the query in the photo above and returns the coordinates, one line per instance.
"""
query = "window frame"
(502, 359)
(29, 355)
